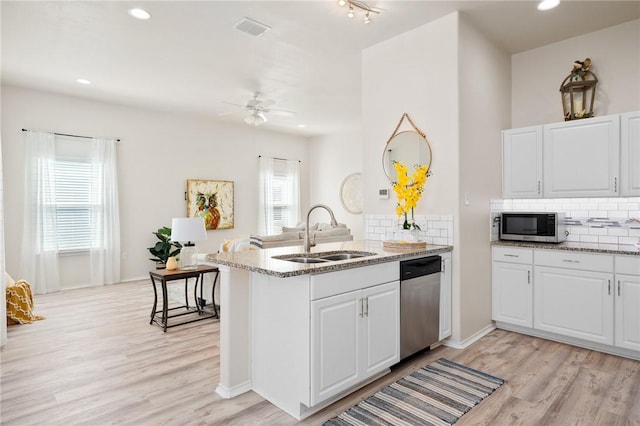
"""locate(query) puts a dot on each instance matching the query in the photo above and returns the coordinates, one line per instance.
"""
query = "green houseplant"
(164, 248)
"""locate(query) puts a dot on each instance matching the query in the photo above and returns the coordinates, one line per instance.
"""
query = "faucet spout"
(307, 242)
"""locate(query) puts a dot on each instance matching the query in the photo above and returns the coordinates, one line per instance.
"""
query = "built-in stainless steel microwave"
(543, 227)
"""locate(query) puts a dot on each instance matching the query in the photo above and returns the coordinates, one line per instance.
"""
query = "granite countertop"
(262, 261)
(628, 249)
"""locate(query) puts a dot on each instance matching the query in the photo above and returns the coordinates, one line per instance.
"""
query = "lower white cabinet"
(445, 296)
(627, 303)
(353, 336)
(591, 297)
(574, 303)
(512, 290)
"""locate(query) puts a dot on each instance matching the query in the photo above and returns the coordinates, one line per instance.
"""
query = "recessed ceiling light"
(139, 14)
(83, 81)
(302, 126)
(548, 4)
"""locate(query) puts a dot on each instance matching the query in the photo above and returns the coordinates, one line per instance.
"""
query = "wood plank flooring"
(96, 360)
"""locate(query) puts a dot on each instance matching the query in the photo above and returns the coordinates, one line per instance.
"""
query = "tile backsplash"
(589, 220)
(434, 229)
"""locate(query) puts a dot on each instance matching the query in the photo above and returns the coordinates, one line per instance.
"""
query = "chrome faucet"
(307, 243)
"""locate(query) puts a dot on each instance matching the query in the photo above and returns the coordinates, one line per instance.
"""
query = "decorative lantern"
(578, 91)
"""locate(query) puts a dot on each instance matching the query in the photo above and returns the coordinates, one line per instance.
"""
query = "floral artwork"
(212, 200)
(409, 190)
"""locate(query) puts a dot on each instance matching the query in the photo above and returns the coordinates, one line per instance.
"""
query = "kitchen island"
(281, 321)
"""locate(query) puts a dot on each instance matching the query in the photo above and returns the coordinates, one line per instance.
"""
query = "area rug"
(438, 394)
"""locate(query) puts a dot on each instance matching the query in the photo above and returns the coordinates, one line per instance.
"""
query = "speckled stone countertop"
(575, 246)
(262, 261)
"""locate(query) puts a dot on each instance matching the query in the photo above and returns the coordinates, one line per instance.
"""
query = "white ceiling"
(189, 58)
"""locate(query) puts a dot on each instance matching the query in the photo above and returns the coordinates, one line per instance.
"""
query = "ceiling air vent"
(251, 27)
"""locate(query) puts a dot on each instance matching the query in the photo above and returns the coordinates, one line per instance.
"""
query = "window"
(279, 194)
(72, 204)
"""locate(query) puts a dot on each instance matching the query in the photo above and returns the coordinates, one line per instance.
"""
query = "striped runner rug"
(438, 394)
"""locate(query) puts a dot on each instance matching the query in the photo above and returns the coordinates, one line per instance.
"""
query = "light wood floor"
(96, 360)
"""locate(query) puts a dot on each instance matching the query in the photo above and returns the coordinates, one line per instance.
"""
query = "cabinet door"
(512, 293)
(380, 328)
(574, 303)
(445, 297)
(630, 153)
(581, 158)
(522, 163)
(627, 305)
(335, 344)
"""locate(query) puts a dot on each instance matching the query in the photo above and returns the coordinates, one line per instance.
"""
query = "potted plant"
(165, 248)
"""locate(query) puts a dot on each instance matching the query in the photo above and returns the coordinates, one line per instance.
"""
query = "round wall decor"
(351, 193)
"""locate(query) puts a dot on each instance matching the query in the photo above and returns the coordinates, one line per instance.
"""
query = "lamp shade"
(188, 229)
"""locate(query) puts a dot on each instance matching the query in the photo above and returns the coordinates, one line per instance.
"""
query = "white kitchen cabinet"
(627, 302)
(630, 154)
(522, 162)
(511, 283)
(445, 296)
(581, 158)
(573, 295)
(353, 336)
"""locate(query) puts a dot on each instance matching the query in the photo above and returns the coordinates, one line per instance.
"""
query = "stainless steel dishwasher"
(419, 304)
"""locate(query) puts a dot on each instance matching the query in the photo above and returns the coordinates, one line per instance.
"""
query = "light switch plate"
(383, 194)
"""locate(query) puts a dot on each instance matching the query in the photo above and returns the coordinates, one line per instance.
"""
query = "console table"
(163, 276)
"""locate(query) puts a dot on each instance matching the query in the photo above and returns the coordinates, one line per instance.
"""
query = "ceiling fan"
(258, 109)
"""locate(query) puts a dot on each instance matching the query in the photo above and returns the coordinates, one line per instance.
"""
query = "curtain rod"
(283, 159)
(72, 136)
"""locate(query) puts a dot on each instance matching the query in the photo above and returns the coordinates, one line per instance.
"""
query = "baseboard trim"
(228, 393)
(470, 340)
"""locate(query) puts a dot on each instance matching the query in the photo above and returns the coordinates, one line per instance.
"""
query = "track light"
(356, 4)
(350, 13)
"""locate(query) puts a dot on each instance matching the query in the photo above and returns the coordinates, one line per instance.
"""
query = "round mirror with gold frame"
(409, 147)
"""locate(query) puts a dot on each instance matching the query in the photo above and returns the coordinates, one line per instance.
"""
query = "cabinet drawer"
(574, 260)
(512, 255)
(629, 265)
(331, 284)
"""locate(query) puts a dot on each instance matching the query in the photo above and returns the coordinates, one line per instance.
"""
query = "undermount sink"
(323, 257)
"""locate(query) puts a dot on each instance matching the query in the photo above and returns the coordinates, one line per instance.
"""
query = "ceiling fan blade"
(252, 103)
(231, 103)
(282, 112)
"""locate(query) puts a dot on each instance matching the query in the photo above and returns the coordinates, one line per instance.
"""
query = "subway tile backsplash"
(435, 229)
(592, 220)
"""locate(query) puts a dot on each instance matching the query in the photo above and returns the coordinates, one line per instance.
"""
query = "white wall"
(417, 73)
(484, 83)
(332, 158)
(3, 300)
(158, 152)
(538, 73)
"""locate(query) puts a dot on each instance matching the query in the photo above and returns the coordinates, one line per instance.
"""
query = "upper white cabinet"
(594, 157)
(581, 158)
(522, 162)
(630, 154)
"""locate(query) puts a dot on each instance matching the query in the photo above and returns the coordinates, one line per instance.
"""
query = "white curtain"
(39, 259)
(265, 198)
(279, 194)
(105, 217)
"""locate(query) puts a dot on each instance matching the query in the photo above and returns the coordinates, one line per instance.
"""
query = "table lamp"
(186, 230)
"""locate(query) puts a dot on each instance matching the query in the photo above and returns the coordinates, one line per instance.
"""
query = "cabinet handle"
(528, 277)
(609, 287)
(570, 261)
(511, 255)
(366, 306)
(361, 307)
(443, 265)
(538, 187)
(615, 184)
(618, 287)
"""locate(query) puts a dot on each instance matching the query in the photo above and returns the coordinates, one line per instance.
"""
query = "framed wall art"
(212, 200)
